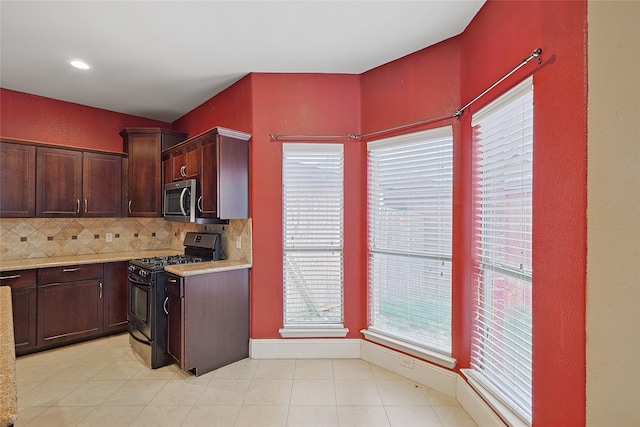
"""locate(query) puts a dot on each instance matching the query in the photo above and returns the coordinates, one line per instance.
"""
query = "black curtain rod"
(457, 114)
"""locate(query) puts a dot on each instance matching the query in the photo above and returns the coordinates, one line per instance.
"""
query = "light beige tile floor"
(103, 383)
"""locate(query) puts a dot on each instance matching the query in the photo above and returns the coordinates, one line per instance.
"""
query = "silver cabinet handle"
(86, 206)
(15, 276)
(164, 305)
(130, 206)
(78, 207)
(100, 290)
(200, 204)
(172, 280)
(70, 270)
(183, 170)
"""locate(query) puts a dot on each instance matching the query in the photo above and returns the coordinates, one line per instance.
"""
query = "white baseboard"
(475, 406)
(305, 348)
(432, 376)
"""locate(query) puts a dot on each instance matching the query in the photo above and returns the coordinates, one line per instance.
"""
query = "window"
(409, 231)
(313, 189)
(502, 330)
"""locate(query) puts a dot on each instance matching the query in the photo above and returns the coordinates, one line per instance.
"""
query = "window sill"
(422, 353)
(509, 415)
(326, 332)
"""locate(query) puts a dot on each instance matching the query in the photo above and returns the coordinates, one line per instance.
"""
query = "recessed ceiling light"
(80, 64)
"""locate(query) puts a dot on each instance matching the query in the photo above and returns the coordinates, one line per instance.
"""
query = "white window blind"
(313, 205)
(409, 232)
(501, 354)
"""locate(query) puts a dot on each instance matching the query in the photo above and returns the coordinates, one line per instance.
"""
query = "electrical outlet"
(108, 237)
(238, 242)
(406, 362)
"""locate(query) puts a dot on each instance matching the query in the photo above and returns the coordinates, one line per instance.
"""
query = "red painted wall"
(440, 79)
(500, 36)
(307, 104)
(35, 118)
(231, 108)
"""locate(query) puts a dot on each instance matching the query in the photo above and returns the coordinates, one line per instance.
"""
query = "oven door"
(140, 315)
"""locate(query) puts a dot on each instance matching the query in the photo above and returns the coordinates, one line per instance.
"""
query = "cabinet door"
(145, 191)
(115, 296)
(102, 185)
(173, 305)
(58, 182)
(178, 164)
(208, 202)
(192, 161)
(23, 300)
(167, 169)
(17, 180)
(69, 310)
(233, 178)
(186, 162)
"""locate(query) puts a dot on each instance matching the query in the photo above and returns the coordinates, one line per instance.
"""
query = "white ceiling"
(160, 60)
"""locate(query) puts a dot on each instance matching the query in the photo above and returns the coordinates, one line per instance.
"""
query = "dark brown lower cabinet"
(60, 305)
(208, 319)
(115, 296)
(23, 301)
(69, 303)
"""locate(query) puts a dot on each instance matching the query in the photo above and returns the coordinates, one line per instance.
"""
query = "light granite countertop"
(8, 387)
(180, 270)
(196, 268)
(31, 263)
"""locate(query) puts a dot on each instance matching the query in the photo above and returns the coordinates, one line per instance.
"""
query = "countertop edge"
(182, 270)
(186, 270)
(33, 263)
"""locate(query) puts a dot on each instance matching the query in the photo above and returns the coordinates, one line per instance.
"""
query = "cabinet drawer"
(69, 273)
(173, 285)
(18, 278)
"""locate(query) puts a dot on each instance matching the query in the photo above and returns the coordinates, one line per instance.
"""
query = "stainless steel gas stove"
(147, 314)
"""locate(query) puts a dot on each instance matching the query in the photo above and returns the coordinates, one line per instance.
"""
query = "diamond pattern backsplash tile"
(22, 238)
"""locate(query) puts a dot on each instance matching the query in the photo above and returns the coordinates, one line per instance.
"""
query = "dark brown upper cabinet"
(72, 183)
(144, 189)
(17, 180)
(101, 185)
(58, 182)
(222, 157)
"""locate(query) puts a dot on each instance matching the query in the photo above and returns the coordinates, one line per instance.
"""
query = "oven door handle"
(145, 342)
(136, 282)
(184, 190)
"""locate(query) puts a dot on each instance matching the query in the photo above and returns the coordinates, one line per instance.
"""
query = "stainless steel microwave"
(180, 199)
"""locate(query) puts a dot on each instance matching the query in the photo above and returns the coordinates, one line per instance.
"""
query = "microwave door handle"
(184, 190)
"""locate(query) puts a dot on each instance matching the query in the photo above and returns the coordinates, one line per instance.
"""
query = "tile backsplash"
(22, 238)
